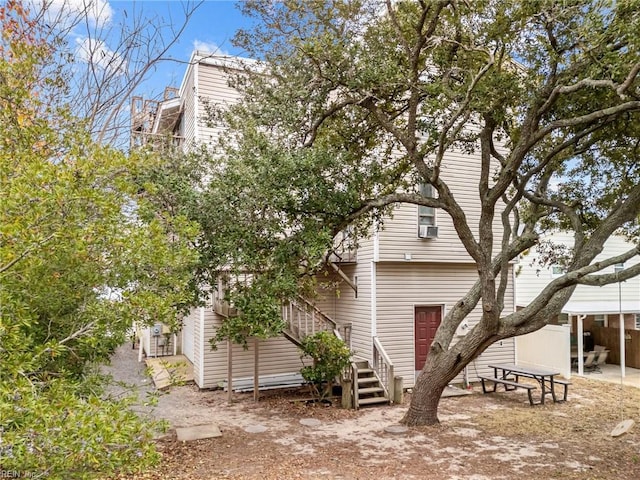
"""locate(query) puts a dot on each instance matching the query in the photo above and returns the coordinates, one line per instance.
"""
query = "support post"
(622, 339)
(580, 345)
(347, 401)
(229, 370)
(622, 347)
(256, 369)
(398, 390)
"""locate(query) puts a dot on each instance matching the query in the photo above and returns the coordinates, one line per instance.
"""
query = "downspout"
(374, 264)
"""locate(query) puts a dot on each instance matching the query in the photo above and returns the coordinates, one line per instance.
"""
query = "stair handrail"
(309, 320)
(383, 366)
(342, 331)
(353, 373)
(323, 315)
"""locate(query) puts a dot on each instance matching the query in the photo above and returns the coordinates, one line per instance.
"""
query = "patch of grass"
(593, 408)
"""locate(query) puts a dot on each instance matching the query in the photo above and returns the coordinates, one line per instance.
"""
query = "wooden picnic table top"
(519, 369)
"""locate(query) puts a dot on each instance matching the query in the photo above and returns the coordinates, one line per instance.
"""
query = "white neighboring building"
(601, 305)
(593, 313)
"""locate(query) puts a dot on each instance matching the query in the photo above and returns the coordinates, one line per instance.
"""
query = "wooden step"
(364, 391)
(365, 370)
(367, 380)
(372, 400)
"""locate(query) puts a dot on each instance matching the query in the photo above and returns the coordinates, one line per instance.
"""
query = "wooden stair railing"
(372, 383)
(383, 366)
(302, 318)
(222, 307)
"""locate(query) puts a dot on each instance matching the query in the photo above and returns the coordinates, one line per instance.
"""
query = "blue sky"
(212, 27)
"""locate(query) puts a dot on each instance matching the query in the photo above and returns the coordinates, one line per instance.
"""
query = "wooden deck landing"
(170, 370)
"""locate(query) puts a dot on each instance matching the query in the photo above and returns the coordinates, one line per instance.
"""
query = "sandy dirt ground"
(497, 436)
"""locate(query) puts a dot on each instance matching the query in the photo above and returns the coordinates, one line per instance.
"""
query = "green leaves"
(83, 254)
(56, 430)
(330, 357)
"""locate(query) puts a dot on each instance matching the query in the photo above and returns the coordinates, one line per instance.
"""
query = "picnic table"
(509, 376)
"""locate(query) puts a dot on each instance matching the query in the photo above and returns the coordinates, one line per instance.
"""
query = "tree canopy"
(356, 102)
(83, 254)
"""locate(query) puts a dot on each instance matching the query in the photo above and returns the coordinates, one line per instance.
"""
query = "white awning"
(601, 307)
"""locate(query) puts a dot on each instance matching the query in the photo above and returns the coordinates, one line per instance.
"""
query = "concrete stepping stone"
(198, 432)
(310, 422)
(255, 428)
(396, 429)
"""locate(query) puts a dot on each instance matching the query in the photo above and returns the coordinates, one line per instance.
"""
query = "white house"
(394, 291)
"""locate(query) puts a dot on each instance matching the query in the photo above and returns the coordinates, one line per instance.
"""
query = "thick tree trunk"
(431, 382)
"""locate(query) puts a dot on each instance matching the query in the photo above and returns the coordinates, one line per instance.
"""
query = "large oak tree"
(356, 102)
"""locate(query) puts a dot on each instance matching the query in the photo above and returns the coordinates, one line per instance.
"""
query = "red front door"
(427, 322)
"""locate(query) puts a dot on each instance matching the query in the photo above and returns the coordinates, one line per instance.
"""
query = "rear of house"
(391, 294)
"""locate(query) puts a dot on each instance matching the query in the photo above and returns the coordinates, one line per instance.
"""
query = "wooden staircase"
(368, 389)
(371, 383)
(302, 318)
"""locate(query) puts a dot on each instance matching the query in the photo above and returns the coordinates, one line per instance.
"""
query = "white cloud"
(98, 53)
(208, 47)
(97, 12)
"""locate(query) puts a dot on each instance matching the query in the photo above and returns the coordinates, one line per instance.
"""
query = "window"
(637, 321)
(618, 267)
(598, 320)
(557, 270)
(427, 215)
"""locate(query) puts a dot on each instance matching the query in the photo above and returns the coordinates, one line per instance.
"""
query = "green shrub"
(330, 357)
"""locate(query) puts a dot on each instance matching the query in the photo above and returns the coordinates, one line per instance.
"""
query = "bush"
(330, 357)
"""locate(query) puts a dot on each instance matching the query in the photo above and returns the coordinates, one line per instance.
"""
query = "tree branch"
(25, 253)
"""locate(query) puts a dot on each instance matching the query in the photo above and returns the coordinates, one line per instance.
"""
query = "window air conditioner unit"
(428, 231)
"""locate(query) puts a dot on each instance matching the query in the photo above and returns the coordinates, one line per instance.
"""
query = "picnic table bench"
(507, 383)
(565, 384)
(509, 376)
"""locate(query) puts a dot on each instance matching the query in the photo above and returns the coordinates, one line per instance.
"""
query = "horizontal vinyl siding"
(402, 287)
(213, 86)
(400, 234)
(189, 110)
(400, 237)
(532, 278)
(340, 303)
(358, 310)
(276, 355)
(198, 373)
